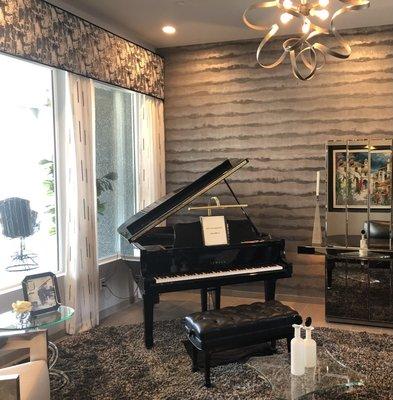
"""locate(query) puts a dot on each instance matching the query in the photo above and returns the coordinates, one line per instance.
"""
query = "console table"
(358, 290)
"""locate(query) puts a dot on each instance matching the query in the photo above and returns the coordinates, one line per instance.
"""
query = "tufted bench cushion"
(233, 327)
(240, 319)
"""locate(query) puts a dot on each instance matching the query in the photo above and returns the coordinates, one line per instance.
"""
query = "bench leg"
(194, 359)
(207, 370)
(273, 343)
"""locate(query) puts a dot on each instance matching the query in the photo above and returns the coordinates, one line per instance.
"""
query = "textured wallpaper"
(40, 32)
(220, 104)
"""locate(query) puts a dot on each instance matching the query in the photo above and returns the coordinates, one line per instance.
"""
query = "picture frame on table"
(42, 291)
(352, 186)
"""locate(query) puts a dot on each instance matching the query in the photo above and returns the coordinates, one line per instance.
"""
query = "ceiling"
(199, 21)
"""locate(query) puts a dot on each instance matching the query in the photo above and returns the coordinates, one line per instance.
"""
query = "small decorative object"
(22, 310)
(297, 353)
(310, 346)
(363, 248)
(42, 291)
(307, 55)
(317, 232)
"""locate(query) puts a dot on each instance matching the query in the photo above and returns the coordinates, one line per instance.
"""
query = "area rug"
(111, 363)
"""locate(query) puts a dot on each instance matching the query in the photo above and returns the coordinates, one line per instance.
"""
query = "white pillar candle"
(318, 179)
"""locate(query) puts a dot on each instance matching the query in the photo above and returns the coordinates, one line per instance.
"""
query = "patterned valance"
(39, 31)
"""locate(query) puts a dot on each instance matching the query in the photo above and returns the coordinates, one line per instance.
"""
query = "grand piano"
(174, 258)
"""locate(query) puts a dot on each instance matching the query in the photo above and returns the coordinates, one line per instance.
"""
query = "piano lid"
(168, 205)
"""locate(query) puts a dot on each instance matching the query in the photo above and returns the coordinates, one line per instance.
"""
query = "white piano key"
(218, 274)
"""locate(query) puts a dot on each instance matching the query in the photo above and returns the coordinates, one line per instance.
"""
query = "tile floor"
(179, 304)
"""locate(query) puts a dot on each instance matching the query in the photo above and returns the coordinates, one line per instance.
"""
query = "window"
(29, 206)
(28, 227)
(116, 136)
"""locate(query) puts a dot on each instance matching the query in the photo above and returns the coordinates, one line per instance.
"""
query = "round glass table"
(10, 322)
(330, 376)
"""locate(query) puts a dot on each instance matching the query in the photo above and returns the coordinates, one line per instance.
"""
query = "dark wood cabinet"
(359, 289)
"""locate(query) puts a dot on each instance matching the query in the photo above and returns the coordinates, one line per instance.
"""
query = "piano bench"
(239, 326)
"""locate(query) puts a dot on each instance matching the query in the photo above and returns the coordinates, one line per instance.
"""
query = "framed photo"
(42, 291)
(352, 186)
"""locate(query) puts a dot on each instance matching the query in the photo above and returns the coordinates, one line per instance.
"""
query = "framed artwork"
(351, 187)
(42, 291)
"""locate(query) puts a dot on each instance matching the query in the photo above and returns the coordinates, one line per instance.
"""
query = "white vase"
(297, 353)
(310, 349)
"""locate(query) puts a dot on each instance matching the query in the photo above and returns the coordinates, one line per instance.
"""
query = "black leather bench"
(233, 327)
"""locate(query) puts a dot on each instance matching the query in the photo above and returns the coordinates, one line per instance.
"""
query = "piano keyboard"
(218, 274)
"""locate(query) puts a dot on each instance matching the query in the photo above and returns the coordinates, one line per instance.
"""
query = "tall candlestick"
(318, 179)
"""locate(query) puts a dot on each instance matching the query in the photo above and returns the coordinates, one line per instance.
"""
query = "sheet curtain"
(80, 241)
(151, 151)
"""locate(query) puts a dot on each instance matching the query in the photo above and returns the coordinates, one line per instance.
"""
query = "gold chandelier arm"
(273, 30)
(257, 6)
(354, 5)
(309, 64)
(313, 64)
(356, 2)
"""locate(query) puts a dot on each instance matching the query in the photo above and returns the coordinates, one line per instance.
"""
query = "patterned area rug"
(111, 363)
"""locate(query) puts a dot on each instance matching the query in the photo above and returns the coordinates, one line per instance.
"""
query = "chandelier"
(307, 55)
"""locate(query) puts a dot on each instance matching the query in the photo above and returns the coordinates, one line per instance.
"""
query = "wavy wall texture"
(220, 104)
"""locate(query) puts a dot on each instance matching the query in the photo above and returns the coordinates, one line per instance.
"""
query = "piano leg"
(204, 299)
(148, 312)
(217, 298)
(270, 289)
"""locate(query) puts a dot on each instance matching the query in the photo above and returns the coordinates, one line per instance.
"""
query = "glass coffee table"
(328, 377)
(9, 322)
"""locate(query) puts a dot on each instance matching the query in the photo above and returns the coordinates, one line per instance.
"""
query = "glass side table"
(9, 321)
(330, 376)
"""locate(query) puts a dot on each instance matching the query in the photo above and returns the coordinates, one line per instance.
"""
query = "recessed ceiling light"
(169, 29)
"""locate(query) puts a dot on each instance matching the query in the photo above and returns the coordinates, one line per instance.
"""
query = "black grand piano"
(174, 258)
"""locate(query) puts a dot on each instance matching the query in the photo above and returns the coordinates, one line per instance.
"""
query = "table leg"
(60, 376)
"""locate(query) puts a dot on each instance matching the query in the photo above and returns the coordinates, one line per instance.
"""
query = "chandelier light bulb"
(288, 4)
(323, 3)
(323, 15)
(306, 27)
(286, 17)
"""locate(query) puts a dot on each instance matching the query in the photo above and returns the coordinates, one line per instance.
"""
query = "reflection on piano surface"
(174, 258)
